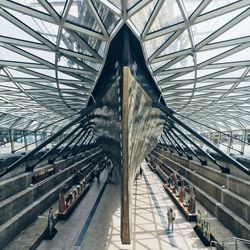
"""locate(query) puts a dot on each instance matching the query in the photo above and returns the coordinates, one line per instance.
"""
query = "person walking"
(171, 217)
(141, 172)
(110, 175)
(4, 141)
(97, 174)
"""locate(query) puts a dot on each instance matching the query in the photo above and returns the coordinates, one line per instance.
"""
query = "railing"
(213, 243)
(233, 243)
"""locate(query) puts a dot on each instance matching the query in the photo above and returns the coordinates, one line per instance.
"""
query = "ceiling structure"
(52, 52)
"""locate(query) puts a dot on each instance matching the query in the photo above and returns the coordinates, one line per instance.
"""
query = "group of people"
(95, 174)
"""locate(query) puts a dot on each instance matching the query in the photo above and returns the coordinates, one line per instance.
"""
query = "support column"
(25, 140)
(35, 138)
(219, 140)
(12, 146)
(125, 192)
(230, 140)
(244, 138)
(43, 136)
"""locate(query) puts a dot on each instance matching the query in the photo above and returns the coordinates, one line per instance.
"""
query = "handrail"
(236, 238)
(213, 242)
(236, 241)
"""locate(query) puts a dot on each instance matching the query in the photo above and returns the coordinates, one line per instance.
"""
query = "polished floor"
(149, 220)
(96, 225)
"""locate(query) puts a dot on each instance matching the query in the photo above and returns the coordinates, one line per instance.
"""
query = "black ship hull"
(126, 125)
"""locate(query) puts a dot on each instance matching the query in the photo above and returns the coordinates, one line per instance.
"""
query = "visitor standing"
(141, 172)
(171, 217)
(4, 141)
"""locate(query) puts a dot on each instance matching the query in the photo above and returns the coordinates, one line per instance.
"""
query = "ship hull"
(141, 126)
(126, 125)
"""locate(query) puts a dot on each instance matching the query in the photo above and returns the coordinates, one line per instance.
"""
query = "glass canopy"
(52, 52)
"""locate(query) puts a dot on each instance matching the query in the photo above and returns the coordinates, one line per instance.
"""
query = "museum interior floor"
(96, 225)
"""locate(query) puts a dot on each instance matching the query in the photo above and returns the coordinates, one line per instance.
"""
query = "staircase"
(21, 201)
(225, 196)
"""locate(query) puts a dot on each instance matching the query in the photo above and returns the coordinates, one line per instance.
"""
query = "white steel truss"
(52, 53)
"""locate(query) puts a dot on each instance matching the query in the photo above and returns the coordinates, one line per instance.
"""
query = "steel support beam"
(25, 140)
(165, 143)
(31, 168)
(182, 149)
(80, 141)
(168, 112)
(203, 162)
(50, 139)
(176, 149)
(12, 146)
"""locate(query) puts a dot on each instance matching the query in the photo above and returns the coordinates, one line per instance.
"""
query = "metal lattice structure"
(52, 52)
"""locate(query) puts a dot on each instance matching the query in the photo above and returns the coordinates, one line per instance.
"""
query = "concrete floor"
(73, 229)
(101, 230)
(149, 221)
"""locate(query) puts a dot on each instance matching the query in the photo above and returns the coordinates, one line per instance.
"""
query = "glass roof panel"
(206, 28)
(180, 43)
(204, 72)
(12, 56)
(7, 26)
(48, 30)
(58, 5)
(33, 4)
(55, 78)
(117, 3)
(16, 73)
(47, 72)
(186, 62)
(168, 15)
(190, 6)
(48, 56)
(141, 17)
(186, 76)
(131, 3)
(239, 30)
(153, 44)
(208, 54)
(214, 5)
(109, 19)
(72, 42)
(81, 15)
(244, 84)
(224, 87)
(235, 73)
(158, 64)
(242, 55)
(66, 76)
(94, 43)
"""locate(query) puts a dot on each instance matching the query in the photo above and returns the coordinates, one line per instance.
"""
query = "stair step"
(30, 236)
(235, 184)
(17, 202)
(235, 202)
(229, 218)
(16, 224)
(43, 194)
(9, 187)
